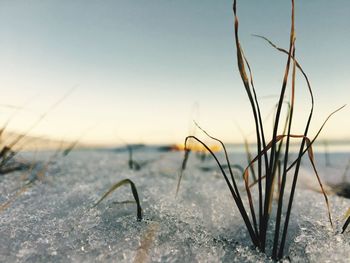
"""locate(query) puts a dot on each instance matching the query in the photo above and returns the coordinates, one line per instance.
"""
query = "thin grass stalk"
(295, 178)
(279, 148)
(284, 175)
(241, 60)
(70, 148)
(278, 153)
(183, 167)
(347, 222)
(279, 178)
(322, 189)
(259, 145)
(273, 163)
(291, 197)
(130, 162)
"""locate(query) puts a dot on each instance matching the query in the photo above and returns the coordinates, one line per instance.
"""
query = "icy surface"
(46, 214)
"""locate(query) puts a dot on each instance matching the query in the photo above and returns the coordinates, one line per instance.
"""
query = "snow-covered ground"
(51, 220)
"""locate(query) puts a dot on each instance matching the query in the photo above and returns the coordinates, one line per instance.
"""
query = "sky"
(141, 71)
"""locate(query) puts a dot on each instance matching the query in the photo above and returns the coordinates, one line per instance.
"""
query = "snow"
(52, 219)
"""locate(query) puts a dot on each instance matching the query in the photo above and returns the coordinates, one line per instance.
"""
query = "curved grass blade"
(314, 139)
(226, 157)
(233, 180)
(312, 160)
(237, 200)
(187, 151)
(134, 192)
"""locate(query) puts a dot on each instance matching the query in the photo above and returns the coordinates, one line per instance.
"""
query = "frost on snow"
(52, 219)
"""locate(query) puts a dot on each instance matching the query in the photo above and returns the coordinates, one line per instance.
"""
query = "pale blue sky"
(140, 66)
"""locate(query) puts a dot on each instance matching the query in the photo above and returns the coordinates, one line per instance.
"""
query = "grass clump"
(130, 149)
(272, 163)
(133, 190)
(8, 151)
(133, 165)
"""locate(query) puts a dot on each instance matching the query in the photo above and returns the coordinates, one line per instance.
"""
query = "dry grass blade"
(314, 139)
(11, 200)
(285, 163)
(347, 214)
(183, 167)
(347, 222)
(260, 137)
(312, 160)
(134, 192)
(70, 148)
(142, 254)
